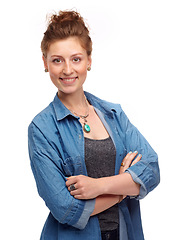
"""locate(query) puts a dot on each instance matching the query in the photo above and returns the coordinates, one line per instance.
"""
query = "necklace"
(86, 127)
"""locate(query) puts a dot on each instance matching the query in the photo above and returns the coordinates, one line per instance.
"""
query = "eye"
(76, 59)
(57, 60)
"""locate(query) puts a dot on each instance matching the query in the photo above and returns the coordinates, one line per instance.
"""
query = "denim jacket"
(56, 150)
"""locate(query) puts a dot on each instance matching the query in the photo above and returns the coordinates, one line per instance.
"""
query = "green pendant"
(86, 128)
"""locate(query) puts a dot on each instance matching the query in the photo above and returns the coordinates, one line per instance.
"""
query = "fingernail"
(135, 151)
(139, 155)
(130, 152)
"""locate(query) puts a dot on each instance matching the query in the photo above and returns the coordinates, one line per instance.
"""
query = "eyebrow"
(71, 55)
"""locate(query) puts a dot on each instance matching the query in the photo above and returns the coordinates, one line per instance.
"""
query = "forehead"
(66, 47)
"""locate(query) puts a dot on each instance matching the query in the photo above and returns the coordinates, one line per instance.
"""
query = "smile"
(68, 80)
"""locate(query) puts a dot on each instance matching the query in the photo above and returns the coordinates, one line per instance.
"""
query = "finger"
(79, 197)
(71, 177)
(123, 163)
(70, 181)
(133, 155)
(138, 158)
(129, 158)
(127, 161)
(72, 188)
(78, 194)
(125, 158)
(128, 154)
(75, 192)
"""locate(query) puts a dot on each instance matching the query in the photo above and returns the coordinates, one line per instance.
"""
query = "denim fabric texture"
(56, 150)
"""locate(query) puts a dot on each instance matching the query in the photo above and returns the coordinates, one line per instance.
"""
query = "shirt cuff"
(87, 211)
(143, 190)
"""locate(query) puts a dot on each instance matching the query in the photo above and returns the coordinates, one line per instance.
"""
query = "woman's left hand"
(130, 159)
(83, 187)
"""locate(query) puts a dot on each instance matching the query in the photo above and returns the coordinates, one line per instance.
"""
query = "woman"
(91, 165)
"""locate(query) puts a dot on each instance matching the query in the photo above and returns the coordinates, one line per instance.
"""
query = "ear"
(45, 62)
(89, 61)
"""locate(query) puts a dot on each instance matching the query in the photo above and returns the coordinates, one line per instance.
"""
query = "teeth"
(68, 79)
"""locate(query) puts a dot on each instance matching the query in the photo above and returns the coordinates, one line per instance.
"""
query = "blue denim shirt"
(56, 150)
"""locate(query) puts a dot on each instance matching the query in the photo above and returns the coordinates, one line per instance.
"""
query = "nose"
(67, 69)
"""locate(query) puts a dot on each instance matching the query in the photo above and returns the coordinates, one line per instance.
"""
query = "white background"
(139, 59)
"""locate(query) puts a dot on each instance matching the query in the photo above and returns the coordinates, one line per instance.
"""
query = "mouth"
(68, 80)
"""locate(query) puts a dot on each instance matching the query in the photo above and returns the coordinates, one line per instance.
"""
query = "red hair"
(63, 25)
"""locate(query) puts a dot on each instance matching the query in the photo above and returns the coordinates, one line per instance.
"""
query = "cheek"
(53, 76)
(53, 71)
(83, 70)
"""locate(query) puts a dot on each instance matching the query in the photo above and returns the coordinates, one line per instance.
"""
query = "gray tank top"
(100, 158)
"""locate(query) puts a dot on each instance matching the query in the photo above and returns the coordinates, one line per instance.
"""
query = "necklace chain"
(86, 127)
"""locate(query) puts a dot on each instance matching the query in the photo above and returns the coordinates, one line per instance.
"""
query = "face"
(67, 63)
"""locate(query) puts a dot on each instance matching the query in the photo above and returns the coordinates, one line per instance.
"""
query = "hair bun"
(64, 16)
(63, 25)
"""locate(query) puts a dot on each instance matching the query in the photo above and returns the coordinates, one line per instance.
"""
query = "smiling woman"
(67, 62)
(91, 165)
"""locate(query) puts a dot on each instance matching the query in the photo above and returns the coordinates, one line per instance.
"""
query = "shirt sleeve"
(50, 181)
(146, 171)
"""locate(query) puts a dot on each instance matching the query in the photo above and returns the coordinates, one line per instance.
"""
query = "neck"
(75, 101)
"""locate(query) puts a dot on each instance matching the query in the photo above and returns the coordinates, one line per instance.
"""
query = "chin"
(69, 90)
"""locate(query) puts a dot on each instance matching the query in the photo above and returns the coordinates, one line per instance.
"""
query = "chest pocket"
(72, 166)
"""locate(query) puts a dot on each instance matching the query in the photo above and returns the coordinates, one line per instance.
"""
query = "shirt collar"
(62, 112)
(60, 109)
(104, 106)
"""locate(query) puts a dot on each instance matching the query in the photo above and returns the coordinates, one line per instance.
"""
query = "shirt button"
(108, 236)
(79, 136)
